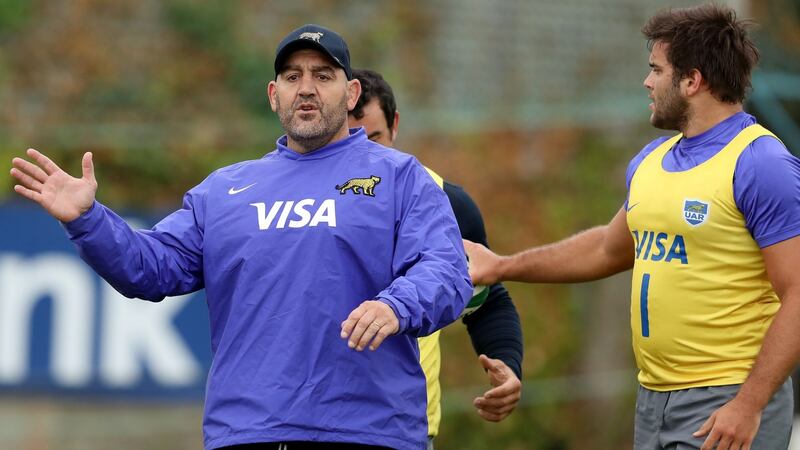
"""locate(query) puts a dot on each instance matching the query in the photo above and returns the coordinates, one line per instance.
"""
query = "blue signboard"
(64, 330)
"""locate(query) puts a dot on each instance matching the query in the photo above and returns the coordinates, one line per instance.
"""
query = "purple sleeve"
(637, 160)
(766, 186)
(432, 285)
(148, 264)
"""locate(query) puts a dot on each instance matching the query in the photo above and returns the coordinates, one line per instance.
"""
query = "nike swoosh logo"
(632, 206)
(235, 191)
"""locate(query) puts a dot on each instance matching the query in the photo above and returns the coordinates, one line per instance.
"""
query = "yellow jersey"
(701, 301)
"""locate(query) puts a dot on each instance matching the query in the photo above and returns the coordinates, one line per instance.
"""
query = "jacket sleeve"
(494, 328)
(149, 264)
(431, 285)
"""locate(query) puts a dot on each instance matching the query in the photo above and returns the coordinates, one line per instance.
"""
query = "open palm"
(60, 194)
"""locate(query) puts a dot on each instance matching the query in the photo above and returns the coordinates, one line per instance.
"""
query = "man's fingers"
(497, 370)
(372, 328)
(469, 249)
(29, 168)
(704, 429)
(497, 402)
(490, 416)
(88, 167)
(504, 396)
(26, 180)
(359, 328)
(508, 389)
(725, 443)
(44, 162)
(710, 441)
(351, 321)
(494, 404)
(380, 337)
(489, 363)
(503, 410)
(27, 193)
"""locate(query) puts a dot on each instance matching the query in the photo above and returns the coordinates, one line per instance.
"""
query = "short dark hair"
(374, 86)
(708, 38)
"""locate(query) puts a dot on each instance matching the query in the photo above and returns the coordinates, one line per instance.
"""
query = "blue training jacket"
(286, 247)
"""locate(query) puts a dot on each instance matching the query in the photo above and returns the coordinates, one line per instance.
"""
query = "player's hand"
(733, 426)
(482, 263)
(63, 196)
(497, 403)
(371, 322)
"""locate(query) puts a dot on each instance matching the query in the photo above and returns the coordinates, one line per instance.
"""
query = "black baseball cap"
(318, 38)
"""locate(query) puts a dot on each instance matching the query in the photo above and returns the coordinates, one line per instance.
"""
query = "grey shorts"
(666, 420)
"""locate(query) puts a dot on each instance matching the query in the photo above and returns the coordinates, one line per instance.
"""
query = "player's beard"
(315, 133)
(670, 110)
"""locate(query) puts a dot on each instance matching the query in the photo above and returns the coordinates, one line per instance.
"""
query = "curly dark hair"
(712, 40)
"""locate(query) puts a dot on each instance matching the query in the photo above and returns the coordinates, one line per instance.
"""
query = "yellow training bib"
(701, 301)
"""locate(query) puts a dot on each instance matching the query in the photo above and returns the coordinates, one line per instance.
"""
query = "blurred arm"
(494, 328)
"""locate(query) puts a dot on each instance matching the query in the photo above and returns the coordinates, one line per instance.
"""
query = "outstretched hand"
(497, 403)
(63, 196)
(482, 263)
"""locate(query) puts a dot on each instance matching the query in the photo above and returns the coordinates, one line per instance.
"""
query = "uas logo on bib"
(695, 212)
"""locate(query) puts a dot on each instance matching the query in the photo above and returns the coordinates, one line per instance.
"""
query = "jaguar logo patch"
(365, 186)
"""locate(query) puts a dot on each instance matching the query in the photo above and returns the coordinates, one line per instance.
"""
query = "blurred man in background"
(287, 248)
(494, 325)
(710, 228)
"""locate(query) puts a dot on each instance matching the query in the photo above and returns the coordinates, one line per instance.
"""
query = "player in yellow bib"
(711, 230)
(493, 327)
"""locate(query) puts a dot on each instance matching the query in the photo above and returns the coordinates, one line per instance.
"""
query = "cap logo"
(315, 36)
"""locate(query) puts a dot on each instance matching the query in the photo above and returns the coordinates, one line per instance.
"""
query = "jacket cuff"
(400, 311)
(85, 222)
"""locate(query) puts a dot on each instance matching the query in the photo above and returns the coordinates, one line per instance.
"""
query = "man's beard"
(315, 133)
(671, 112)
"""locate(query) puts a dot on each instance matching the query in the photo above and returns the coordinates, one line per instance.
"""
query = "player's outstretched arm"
(589, 255)
(42, 181)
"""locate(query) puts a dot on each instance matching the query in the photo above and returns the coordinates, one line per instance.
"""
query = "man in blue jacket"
(329, 236)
